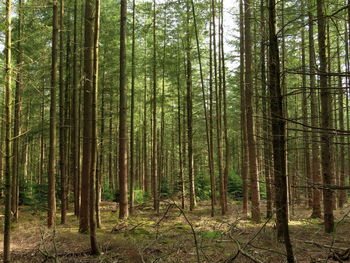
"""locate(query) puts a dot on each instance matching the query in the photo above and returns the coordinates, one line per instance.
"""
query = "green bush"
(141, 196)
(235, 186)
(109, 194)
(203, 189)
(33, 195)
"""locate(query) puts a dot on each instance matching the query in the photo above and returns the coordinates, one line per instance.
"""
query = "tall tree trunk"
(306, 160)
(189, 113)
(316, 178)
(132, 109)
(95, 175)
(210, 157)
(7, 172)
(342, 194)
(326, 123)
(75, 118)
(181, 175)
(245, 157)
(224, 93)
(62, 129)
(123, 143)
(254, 185)
(17, 119)
(211, 107)
(145, 124)
(52, 142)
(278, 134)
(266, 129)
(154, 164)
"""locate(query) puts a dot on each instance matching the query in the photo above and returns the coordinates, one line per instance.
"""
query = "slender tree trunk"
(266, 154)
(62, 129)
(154, 164)
(17, 119)
(180, 143)
(52, 142)
(245, 157)
(224, 92)
(132, 109)
(95, 175)
(316, 178)
(210, 159)
(342, 194)
(189, 115)
(306, 160)
(278, 134)
(7, 172)
(75, 118)
(211, 107)
(145, 124)
(254, 185)
(326, 123)
(123, 143)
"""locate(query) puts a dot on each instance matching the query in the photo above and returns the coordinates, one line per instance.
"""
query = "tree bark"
(326, 122)
(154, 164)
(132, 109)
(123, 137)
(7, 172)
(316, 178)
(244, 156)
(278, 135)
(52, 140)
(17, 119)
(189, 114)
(254, 185)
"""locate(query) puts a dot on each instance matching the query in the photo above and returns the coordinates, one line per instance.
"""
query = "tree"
(254, 186)
(326, 123)
(7, 171)
(316, 195)
(154, 164)
(189, 112)
(132, 109)
(17, 118)
(52, 143)
(278, 134)
(123, 149)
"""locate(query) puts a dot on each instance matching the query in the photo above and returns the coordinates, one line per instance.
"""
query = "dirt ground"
(173, 236)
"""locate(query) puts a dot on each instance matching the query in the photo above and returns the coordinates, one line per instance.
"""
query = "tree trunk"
(245, 157)
(75, 118)
(254, 185)
(278, 134)
(189, 115)
(7, 172)
(62, 129)
(316, 178)
(52, 142)
(154, 165)
(123, 143)
(17, 120)
(326, 122)
(132, 109)
(306, 160)
(342, 193)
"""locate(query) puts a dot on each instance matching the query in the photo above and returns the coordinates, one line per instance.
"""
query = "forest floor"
(173, 236)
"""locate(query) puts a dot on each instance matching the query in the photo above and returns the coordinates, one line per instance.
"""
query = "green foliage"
(203, 190)
(33, 195)
(235, 186)
(141, 196)
(109, 194)
(164, 187)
